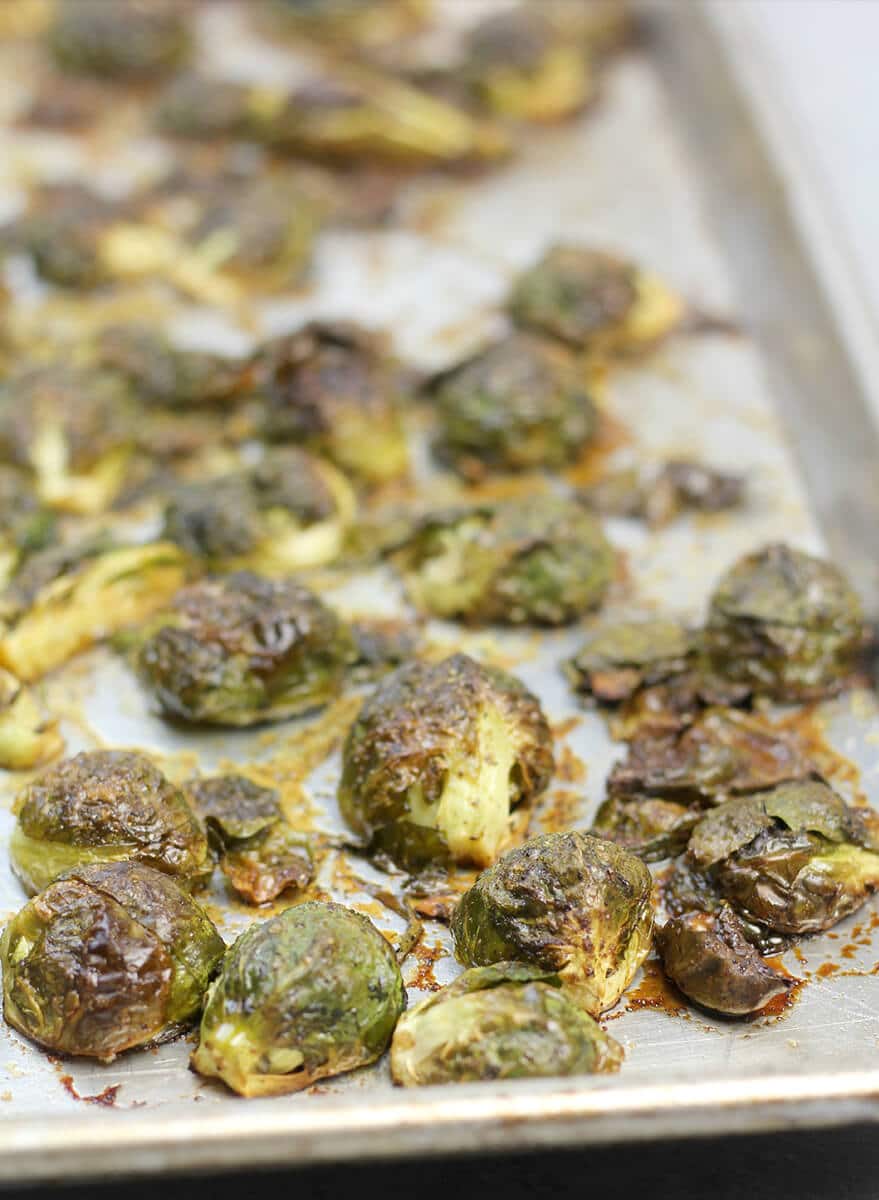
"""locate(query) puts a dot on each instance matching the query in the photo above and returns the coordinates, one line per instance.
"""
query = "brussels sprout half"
(506, 1021)
(620, 657)
(438, 757)
(786, 624)
(566, 902)
(313, 992)
(537, 559)
(105, 806)
(108, 957)
(27, 737)
(646, 825)
(241, 649)
(138, 38)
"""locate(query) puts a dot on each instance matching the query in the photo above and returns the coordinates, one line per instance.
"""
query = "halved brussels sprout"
(519, 404)
(105, 806)
(438, 757)
(533, 559)
(796, 859)
(330, 388)
(27, 736)
(260, 854)
(786, 624)
(135, 38)
(74, 429)
(240, 649)
(108, 957)
(507, 1021)
(594, 301)
(313, 992)
(659, 496)
(289, 511)
(566, 902)
(619, 657)
(647, 826)
(64, 601)
(710, 958)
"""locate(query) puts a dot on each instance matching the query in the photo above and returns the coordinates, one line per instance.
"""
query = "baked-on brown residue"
(655, 991)
(106, 1098)
(778, 1006)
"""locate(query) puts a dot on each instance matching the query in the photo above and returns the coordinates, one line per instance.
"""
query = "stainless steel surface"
(669, 170)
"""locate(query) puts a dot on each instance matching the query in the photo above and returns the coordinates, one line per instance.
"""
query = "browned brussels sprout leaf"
(108, 957)
(566, 902)
(620, 657)
(310, 993)
(382, 645)
(437, 759)
(786, 624)
(506, 1021)
(710, 958)
(27, 736)
(140, 38)
(649, 827)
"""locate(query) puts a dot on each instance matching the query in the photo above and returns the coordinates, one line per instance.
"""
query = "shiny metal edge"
(835, 442)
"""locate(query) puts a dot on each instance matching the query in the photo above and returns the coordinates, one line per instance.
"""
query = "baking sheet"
(625, 177)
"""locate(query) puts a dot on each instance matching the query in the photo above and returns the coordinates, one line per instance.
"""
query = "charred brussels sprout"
(121, 40)
(521, 403)
(289, 511)
(105, 806)
(566, 902)
(645, 825)
(619, 658)
(795, 859)
(108, 957)
(438, 757)
(27, 736)
(313, 992)
(594, 301)
(260, 854)
(507, 1021)
(66, 599)
(328, 387)
(536, 559)
(786, 624)
(241, 649)
(712, 961)
(660, 496)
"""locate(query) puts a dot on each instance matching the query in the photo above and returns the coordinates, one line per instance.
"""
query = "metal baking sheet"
(669, 171)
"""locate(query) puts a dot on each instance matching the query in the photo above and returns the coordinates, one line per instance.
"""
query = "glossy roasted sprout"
(26, 525)
(566, 902)
(105, 806)
(795, 859)
(313, 992)
(594, 301)
(260, 854)
(506, 1021)
(107, 958)
(241, 649)
(645, 825)
(539, 559)
(786, 624)
(437, 760)
(27, 736)
(66, 599)
(710, 958)
(520, 404)
(290, 510)
(330, 388)
(620, 657)
(121, 39)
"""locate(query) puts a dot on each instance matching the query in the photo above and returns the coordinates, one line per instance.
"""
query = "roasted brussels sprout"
(659, 496)
(25, 524)
(62, 232)
(330, 388)
(74, 430)
(109, 957)
(260, 854)
(620, 657)
(381, 645)
(241, 649)
(122, 40)
(519, 404)
(360, 24)
(712, 961)
(27, 736)
(786, 624)
(438, 757)
(206, 106)
(507, 1021)
(647, 826)
(289, 511)
(105, 806)
(64, 600)
(314, 992)
(594, 301)
(566, 902)
(795, 859)
(537, 559)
